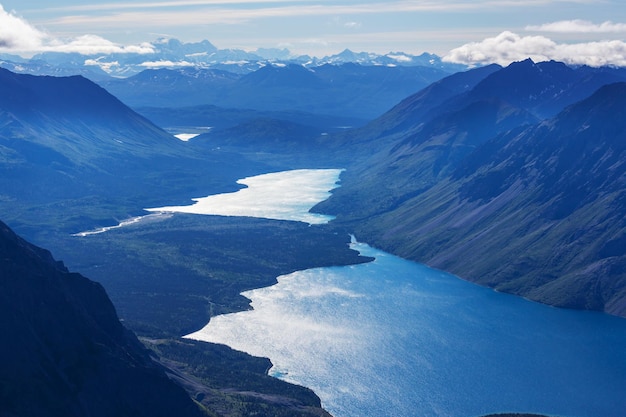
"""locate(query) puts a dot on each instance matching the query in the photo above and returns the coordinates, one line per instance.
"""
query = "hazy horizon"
(577, 32)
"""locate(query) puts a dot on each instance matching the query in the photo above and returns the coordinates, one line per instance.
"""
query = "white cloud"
(400, 57)
(18, 36)
(16, 33)
(508, 47)
(92, 44)
(203, 12)
(105, 66)
(579, 26)
(163, 64)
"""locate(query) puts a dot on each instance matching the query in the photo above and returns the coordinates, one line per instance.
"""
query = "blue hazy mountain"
(350, 90)
(482, 186)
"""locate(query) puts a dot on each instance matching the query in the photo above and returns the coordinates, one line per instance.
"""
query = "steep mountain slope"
(537, 211)
(40, 107)
(64, 351)
(423, 138)
(416, 109)
(416, 143)
(418, 160)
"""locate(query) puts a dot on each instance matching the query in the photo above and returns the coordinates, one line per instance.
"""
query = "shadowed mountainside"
(64, 351)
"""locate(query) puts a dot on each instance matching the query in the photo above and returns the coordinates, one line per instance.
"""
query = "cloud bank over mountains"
(18, 36)
(508, 47)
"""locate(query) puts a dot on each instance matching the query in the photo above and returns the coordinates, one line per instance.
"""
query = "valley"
(517, 189)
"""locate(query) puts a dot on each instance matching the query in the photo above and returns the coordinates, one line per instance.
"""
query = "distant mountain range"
(351, 85)
(349, 91)
(173, 53)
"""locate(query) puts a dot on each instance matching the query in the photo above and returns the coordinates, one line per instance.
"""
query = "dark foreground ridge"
(64, 351)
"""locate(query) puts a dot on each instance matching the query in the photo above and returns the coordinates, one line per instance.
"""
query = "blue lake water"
(395, 338)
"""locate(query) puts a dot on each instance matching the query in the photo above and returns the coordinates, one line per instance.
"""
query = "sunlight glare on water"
(286, 195)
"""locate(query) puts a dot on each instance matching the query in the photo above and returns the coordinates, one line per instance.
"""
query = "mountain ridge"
(66, 139)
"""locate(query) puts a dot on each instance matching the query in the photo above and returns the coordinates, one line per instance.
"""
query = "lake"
(396, 338)
(285, 195)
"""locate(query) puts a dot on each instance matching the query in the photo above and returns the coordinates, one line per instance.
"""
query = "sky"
(473, 32)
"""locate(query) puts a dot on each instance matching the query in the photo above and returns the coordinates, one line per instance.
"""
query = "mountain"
(390, 59)
(75, 157)
(536, 210)
(48, 104)
(39, 67)
(413, 110)
(401, 138)
(564, 183)
(172, 87)
(543, 88)
(350, 90)
(422, 139)
(64, 351)
(264, 134)
(175, 74)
